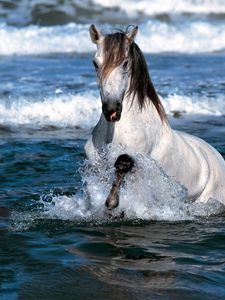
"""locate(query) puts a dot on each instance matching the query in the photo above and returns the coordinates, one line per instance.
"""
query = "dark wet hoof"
(124, 163)
(112, 201)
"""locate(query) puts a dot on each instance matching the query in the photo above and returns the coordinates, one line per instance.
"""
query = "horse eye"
(95, 65)
(125, 64)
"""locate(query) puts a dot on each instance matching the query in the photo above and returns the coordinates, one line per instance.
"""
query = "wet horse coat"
(133, 117)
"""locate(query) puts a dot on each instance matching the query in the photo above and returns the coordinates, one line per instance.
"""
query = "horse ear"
(95, 34)
(132, 34)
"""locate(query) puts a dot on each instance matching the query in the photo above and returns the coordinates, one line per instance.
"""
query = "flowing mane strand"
(114, 45)
(141, 84)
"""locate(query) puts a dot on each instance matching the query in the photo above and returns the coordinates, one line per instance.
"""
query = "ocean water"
(56, 239)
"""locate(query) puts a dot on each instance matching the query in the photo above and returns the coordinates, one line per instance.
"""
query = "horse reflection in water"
(127, 262)
(133, 118)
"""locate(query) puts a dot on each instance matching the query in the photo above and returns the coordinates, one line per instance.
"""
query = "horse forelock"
(114, 52)
(114, 49)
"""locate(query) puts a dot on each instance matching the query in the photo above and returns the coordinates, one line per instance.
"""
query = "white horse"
(133, 116)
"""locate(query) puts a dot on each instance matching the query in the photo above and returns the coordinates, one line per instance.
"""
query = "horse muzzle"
(111, 112)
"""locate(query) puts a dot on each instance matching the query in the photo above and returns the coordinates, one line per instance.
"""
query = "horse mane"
(140, 84)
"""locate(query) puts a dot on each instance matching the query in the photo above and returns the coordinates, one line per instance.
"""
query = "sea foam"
(154, 36)
(62, 111)
(133, 8)
(33, 40)
(83, 110)
(34, 11)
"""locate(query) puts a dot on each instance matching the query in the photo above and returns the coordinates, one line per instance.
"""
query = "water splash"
(147, 194)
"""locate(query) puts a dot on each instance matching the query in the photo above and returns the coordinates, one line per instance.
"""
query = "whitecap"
(83, 110)
(60, 111)
(154, 37)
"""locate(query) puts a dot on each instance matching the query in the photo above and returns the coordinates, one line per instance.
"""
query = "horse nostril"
(113, 116)
(118, 105)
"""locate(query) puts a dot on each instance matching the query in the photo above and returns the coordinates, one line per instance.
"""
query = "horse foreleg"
(123, 165)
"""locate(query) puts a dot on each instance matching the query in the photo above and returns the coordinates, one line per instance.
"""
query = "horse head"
(113, 68)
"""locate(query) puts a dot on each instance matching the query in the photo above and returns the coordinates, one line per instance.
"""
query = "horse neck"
(142, 123)
(147, 114)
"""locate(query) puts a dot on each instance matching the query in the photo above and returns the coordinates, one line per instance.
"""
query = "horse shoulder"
(205, 167)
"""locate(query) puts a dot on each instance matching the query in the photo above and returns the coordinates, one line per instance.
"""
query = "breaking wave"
(154, 36)
(83, 110)
(52, 12)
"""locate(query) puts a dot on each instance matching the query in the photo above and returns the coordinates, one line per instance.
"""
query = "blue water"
(51, 245)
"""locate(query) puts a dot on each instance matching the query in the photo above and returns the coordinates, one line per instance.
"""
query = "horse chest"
(130, 135)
